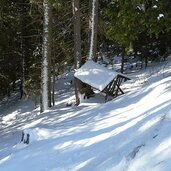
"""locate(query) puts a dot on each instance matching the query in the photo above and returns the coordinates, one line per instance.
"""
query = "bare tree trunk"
(89, 28)
(146, 61)
(46, 62)
(77, 33)
(94, 28)
(77, 44)
(55, 22)
(50, 57)
(22, 51)
(53, 85)
(122, 61)
(41, 104)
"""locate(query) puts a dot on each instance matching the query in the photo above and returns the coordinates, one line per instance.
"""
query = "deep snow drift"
(130, 133)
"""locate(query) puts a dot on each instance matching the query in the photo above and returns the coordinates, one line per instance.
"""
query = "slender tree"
(94, 27)
(46, 64)
(77, 44)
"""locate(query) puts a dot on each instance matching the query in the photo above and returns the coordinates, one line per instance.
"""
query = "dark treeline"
(129, 27)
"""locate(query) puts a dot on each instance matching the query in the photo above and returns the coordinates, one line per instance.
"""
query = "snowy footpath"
(129, 133)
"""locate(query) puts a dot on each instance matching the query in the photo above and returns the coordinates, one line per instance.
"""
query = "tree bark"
(50, 57)
(46, 62)
(94, 30)
(122, 61)
(77, 33)
(53, 85)
(77, 44)
(22, 46)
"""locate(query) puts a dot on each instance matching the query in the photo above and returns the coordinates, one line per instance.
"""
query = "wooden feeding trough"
(101, 78)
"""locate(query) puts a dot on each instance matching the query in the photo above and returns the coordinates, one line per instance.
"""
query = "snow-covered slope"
(130, 133)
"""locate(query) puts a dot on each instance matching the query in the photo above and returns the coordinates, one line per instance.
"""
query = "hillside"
(129, 133)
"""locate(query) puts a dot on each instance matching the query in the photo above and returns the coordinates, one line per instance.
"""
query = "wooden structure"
(101, 78)
(113, 89)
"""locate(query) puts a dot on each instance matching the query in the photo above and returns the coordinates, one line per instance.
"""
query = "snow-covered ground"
(130, 133)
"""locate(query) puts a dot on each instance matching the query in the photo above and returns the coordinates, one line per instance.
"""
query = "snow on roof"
(96, 75)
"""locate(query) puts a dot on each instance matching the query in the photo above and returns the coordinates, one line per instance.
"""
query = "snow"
(160, 16)
(155, 6)
(95, 75)
(129, 133)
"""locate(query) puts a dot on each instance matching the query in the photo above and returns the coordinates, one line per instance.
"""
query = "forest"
(41, 39)
(85, 85)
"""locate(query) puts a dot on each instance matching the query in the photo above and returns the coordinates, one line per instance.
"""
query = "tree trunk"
(22, 46)
(76, 85)
(146, 56)
(50, 57)
(53, 85)
(122, 61)
(146, 61)
(46, 62)
(94, 28)
(41, 104)
(77, 33)
(77, 44)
